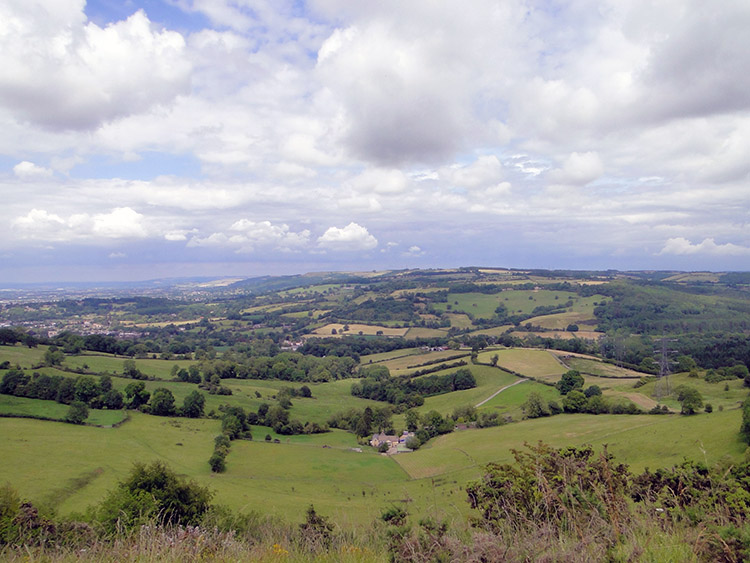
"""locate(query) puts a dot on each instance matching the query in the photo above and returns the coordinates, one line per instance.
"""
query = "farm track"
(496, 393)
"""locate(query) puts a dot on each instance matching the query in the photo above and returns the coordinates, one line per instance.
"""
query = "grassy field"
(51, 409)
(494, 331)
(106, 363)
(595, 367)
(355, 328)
(408, 364)
(508, 403)
(559, 321)
(423, 332)
(538, 364)
(22, 356)
(383, 356)
(82, 463)
(585, 334)
(725, 394)
(488, 379)
(640, 441)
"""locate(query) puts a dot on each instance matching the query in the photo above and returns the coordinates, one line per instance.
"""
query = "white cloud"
(484, 171)
(29, 170)
(414, 252)
(120, 223)
(247, 236)
(381, 181)
(351, 237)
(63, 72)
(682, 246)
(579, 169)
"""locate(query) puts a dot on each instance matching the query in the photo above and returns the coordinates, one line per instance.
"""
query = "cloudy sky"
(158, 138)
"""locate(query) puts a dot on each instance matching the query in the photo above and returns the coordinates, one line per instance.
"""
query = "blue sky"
(147, 139)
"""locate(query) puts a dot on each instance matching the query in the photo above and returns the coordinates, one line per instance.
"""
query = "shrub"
(77, 413)
(153, 492)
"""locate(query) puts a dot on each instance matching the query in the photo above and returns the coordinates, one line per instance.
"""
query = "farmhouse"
(392, 441)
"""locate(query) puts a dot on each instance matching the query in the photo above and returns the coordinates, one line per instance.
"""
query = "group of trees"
(98, 393)
(378, 385)
(87, 390)
(286, 366)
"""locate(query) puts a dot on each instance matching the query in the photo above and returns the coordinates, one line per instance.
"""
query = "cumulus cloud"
(414, 252)
(247, 236)
(120, 223)
(28, 170)
(682, 246)
(352, 237)
(63, 72)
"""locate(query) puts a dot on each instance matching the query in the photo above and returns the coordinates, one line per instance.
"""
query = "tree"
(86, 389)
(136, 394)
(535, 406)
(53, 356)
(571, 379)
(162, 402)
(193, 405)
(77, 413)
(12, 380)
(575, 401)
(217, 461)
(412, 420)
(66, 392)
(130, 370)
(592, 391)
(105, 384)
(690, 399)
(113, 399)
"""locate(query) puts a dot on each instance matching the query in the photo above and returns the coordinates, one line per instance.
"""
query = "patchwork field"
(408, 364)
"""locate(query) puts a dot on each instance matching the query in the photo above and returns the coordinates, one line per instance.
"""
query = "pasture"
(356, 328)
(407, 364)
(539, 364)
(595, 367)
(10, 405)
(638, 440)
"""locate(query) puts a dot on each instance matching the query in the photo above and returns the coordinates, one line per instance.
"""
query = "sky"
(144, 139)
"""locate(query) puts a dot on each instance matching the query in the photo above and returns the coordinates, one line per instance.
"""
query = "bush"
(77, 413)
(153, 492)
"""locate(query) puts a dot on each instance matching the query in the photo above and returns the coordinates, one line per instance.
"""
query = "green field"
(595, 367)
(408, 364)
(713, 393)
(423, 332)
(383, 356)
(538, 364)
(488, 380)
(639, 440)
(22, 356)
(22, 406)
(82, 463)
(516, 301)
